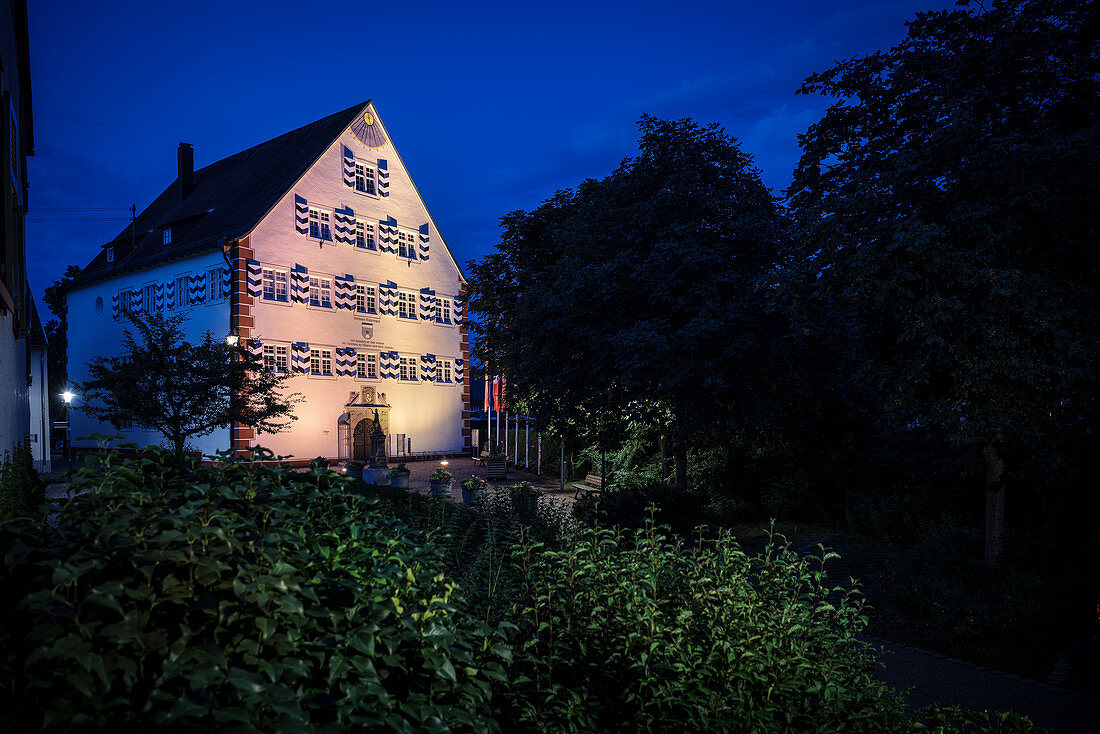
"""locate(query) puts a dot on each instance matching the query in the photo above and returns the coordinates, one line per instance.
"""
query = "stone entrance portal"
(359, 416)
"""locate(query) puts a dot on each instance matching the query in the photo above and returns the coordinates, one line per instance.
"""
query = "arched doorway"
(360, 440)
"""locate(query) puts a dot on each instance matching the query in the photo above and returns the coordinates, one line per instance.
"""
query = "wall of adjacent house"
(14, 408)
(39, 391)
(96, 325)
(408, 257)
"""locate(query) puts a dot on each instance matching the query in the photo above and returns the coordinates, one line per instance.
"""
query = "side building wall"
(15, 411)
(198, 287)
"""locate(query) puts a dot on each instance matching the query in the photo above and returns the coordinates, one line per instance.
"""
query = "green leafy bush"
(20, 487)
(235, 596)
(636, 631)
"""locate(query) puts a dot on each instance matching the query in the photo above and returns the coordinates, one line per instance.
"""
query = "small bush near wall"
(20, 487)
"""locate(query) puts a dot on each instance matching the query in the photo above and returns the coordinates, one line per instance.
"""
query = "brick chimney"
(185, 177)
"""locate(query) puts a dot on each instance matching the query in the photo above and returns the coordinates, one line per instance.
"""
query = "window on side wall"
(365, 301)
(320, 291)
(406, 244)
(407, 368)
(148, 299)
(442, 310)
(443, 370)
(179, 293)
(320, 224)
(275, 285)
(364, 178)
(364, 236)
(406, 305)
(320, 362)
(366, 366)
(213, 285)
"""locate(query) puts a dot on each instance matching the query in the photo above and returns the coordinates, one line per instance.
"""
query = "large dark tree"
(646, 294)
(165, 383)
(947, 204)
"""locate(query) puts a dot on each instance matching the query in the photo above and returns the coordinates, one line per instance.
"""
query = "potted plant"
(472, 489)
(354, 469)
(524, 498)
(496, 466)
(399, 476)
(440, 483)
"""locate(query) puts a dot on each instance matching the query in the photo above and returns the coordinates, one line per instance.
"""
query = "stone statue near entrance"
(377, 444)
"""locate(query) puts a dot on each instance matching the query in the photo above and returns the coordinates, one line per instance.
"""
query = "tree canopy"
(947, 215)
(165, 383)
(643, 293)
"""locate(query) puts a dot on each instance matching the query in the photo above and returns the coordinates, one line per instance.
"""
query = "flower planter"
(401, 479)
(496, 468)
(440, 490)
(355, 472)
(471, 496)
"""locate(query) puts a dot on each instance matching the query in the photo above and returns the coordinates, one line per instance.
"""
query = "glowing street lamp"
(68, 396)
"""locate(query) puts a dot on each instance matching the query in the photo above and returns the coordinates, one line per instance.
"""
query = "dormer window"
(167, 235)
(110, 254)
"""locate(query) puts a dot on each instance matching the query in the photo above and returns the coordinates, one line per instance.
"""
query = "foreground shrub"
(20, 487)
(237, 596)
(634, 630)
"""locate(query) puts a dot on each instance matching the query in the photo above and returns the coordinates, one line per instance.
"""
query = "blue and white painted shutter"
(383, 178)
(170, 291)
(344, 296)
(460, 370)
(388, 366)
(349, 167)
(114, 307)
(196, 288)
(387, 235)
(427, 367)
(457, 309)
(301, 215)
(225, 281)
(299, 284)
(426, 311)
(345, 225)
(158, 296)
(255, 278)
(345, 362)
(387, 298)
(256, 348)
(423, 241)
(299, 357)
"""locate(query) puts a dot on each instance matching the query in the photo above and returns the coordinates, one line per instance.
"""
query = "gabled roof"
(228, 199)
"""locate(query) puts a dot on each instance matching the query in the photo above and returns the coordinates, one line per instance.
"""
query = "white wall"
(39, 397)
(94, 332)
(429, 414)
(14, 410)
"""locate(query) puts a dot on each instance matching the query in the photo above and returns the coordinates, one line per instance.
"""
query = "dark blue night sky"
(493, 106)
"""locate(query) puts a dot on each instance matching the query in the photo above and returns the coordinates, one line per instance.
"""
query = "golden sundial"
(367, 131)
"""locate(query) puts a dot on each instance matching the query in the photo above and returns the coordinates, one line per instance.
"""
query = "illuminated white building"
(317, 250)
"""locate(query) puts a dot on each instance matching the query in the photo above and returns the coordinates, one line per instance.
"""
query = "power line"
(83, 219)
(81, 209)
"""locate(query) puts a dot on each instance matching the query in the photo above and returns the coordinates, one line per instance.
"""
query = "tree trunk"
(662, 441)
(994, 502)
(681, 466)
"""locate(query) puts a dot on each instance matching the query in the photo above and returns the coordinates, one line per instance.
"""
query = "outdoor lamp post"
(67, 397)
